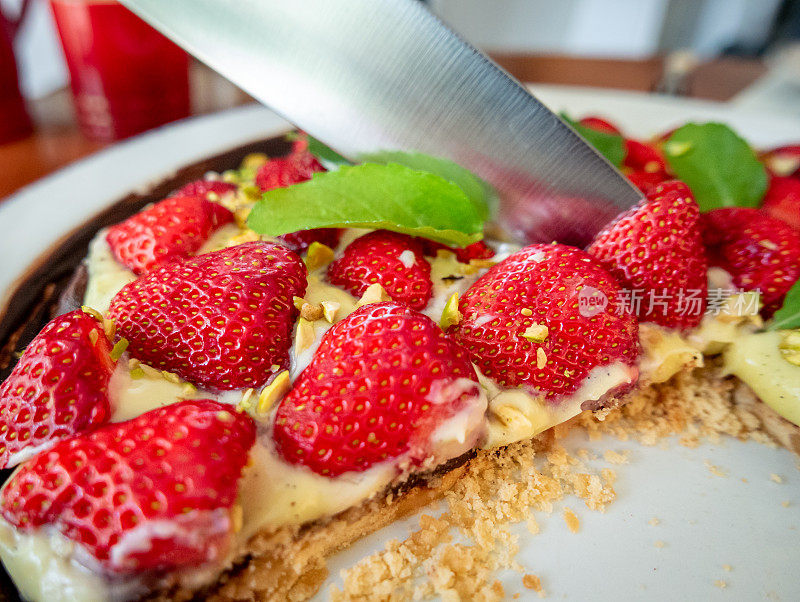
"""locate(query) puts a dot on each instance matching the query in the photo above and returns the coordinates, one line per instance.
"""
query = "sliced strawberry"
(300, 241)
(395, 261)
(644, 157)
(219, 320)
(783, 200)
(58, 388)
(655, 250)
(171, 229)
(477, 250)
(381, 382)
(599, 124)
(553, 287)
(285, 171)
(783, 161)
(202, 188)
(152, 493)
(646, 181)
(759, 251)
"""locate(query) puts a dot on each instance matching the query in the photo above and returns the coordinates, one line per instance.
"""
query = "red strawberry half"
(783, 200)
(553, 287)
(600, 125)
(759, 251)
(644, 157)
(300, 241)
(285, 171)
(58, 388)
(395, 261)
(152, 493)
(381, 382)
(220, 319)
(171, 229)
(202, 188)
(656, 252)
(477, 250)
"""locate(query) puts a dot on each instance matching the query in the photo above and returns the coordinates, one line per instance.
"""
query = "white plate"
(706, 521)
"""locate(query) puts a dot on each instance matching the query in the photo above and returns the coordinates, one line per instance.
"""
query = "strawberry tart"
(276, 360)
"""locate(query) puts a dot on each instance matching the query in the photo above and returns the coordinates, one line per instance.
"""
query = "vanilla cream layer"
(756, 359)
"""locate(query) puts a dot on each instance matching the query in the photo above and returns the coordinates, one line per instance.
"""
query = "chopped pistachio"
(482, 263)
(137, 373)
(541, 358)
(170, 377)
(298, 302)
(110, 328)
(273, 392)
(536, 333)
(450, 314)
(318, 256)
(245, 403)
(250, 191)
(92, 312)
(330, 309)
(375, 293)
(188, 389)
(304, 336)
(254, 160)
(245, 236)
(790, 346)
(311, 311)
(119, 348)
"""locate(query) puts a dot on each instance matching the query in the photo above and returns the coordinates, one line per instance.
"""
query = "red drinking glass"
(14, 120)
(126, 77)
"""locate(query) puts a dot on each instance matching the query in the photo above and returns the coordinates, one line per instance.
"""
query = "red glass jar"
(126, 77)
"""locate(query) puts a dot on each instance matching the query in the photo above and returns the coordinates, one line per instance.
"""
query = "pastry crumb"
(616, 457)
(715, 470)
(572, 521)
(785, 503)
(720, 583)
(727, 568)
(776, 478)
(653, 521)
(659, 544)
(533, 582)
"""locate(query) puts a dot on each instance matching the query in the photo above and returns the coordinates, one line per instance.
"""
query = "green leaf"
(719, 166)
(611, 146)
(788, 316)
(325, 153)
(391, 196)
(479, 192)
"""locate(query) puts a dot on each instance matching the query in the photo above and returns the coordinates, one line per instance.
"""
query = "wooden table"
(58, 142)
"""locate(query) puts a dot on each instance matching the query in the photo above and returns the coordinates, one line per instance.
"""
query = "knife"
(370, 75)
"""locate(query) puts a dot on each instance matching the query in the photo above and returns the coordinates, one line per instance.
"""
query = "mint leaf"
(478, 191)
(325, 153)
(611, 146)
(719, 166)
(393, 197)
(788, 316)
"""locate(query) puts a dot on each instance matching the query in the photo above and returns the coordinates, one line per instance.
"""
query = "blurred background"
(125, 78)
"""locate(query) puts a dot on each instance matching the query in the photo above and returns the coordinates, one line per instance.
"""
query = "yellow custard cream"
(274, 493)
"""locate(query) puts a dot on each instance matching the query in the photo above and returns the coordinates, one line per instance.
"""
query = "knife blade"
(367, 75)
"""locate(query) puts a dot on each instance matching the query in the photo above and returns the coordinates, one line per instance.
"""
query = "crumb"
(572, 521)
(533, 582)
(616, 457)
(653, 521)
(785, 503)
(727, 568)
(659, 544)
(721, 584)
(744, 480)
(715, 470)
(776, 478)
(516, 596)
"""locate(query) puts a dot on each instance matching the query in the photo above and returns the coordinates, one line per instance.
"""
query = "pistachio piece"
(450, 314)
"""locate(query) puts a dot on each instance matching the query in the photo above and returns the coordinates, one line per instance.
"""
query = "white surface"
(705, 521)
